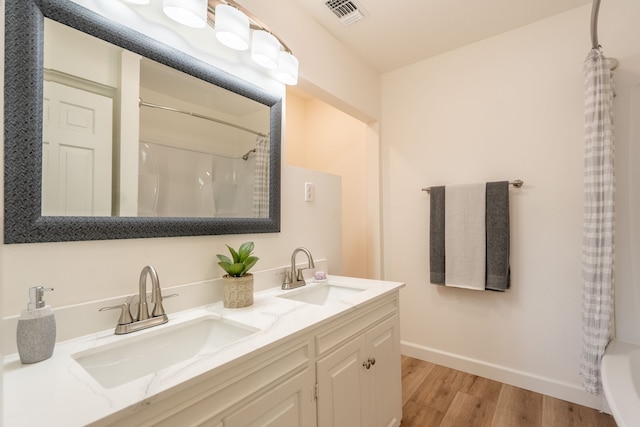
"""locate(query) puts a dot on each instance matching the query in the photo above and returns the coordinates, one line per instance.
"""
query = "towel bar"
(517, 183)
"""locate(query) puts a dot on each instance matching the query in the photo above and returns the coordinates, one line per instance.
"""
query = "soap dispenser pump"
(36, 335)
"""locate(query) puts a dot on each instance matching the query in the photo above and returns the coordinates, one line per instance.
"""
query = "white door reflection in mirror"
(77, 152)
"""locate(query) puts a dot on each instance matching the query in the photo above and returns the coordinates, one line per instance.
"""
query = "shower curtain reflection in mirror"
(177, 182)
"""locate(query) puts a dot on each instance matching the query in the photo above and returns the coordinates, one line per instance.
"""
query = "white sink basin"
(322, 294)
(136, 356)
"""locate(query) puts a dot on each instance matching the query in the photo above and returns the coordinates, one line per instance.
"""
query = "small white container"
(36, 334)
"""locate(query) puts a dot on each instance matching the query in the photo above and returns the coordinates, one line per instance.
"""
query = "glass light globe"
(232, 27)
(265, 49)
(192, 13)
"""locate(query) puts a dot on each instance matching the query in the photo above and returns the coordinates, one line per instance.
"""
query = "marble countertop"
(58, 391)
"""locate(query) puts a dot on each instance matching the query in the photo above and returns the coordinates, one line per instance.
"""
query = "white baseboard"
(526, 380)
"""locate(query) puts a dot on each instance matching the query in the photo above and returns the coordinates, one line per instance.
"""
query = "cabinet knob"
(369, 363)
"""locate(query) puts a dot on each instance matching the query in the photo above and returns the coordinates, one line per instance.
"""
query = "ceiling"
(396, 33)
(154, 76)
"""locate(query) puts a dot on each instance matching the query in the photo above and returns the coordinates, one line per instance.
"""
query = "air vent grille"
(346, 10)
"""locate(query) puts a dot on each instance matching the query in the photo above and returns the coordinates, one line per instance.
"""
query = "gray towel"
(497, 226)
(436, 236)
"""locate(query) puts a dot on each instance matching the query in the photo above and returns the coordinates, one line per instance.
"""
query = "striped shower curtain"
(598, 222)
(261, 183)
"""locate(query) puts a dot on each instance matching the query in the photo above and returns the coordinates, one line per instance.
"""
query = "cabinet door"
(384, 376)
(290, 404)
(341, 386)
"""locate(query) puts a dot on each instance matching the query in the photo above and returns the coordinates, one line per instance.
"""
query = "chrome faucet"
(126, 323)
(294, 278)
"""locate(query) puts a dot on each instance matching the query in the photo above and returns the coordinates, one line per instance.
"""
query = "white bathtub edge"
(619, 391)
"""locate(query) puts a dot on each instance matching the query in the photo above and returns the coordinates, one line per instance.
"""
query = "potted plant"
(238, 282)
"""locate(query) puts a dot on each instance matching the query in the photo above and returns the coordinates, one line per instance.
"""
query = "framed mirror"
(132, 208)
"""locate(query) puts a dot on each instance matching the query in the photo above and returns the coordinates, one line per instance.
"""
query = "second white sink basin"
(136, 356)
(322, 294)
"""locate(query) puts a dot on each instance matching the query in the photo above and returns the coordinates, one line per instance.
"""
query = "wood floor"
(435, 396)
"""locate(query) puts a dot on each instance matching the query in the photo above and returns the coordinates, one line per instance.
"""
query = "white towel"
(465, 236)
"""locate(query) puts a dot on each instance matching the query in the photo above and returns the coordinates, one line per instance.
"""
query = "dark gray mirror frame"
(23, 86)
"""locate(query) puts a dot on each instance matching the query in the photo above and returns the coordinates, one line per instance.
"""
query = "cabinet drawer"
(352, 324)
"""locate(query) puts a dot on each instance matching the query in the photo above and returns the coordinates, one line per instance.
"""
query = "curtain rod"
(141, 103)
(595, 8)
(517, 184)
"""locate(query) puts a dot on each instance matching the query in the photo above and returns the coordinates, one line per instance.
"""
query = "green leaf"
(225, 266)
(248, 263)
(234, 254)
(245, 250)
(236, 269)
(224, 258)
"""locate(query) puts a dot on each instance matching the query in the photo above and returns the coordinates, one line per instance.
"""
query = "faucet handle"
(125, 314)
(300, 275)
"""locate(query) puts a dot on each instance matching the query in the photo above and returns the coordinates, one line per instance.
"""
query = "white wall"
(510, 107)
(323, 138)
(355, 90)
(80, 61)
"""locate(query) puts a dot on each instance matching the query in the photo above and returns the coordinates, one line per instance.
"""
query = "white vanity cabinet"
(358, 370)
(344, 371)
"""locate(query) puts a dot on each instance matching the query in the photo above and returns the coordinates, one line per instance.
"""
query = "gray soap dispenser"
(36, 334)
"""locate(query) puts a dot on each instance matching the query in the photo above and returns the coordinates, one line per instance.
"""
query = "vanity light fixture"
(192, 13)
(233, 25)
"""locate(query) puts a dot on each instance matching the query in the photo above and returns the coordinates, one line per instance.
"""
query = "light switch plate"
(309, 191)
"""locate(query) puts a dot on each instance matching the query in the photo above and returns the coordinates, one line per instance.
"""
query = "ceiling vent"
(346, 10)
